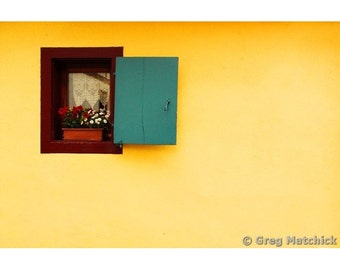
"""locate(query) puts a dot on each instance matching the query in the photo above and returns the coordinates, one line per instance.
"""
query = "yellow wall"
(258, 148)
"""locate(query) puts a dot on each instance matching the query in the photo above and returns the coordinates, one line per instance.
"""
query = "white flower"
(105, 121)
(91, 122)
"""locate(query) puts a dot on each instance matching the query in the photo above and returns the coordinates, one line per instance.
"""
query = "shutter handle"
(166, 107)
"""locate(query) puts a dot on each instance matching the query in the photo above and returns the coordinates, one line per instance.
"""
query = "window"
(140, 93)
(73, 76)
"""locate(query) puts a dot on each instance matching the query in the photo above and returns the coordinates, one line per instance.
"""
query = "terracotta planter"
(82, 134)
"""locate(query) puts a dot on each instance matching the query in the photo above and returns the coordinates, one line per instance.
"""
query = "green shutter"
(146, 100)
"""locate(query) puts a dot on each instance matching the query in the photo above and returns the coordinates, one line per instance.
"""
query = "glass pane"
(91, 90)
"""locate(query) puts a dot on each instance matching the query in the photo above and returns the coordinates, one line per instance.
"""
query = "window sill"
(84, 147)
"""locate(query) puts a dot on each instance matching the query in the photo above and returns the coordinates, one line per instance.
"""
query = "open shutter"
(146, 100)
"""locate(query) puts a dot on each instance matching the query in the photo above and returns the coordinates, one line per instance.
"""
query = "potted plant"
(79, 123)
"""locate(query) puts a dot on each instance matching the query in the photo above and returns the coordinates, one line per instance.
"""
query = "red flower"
(63, 111)
(76, 110)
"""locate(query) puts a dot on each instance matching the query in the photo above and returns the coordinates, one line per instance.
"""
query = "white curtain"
(87, 89)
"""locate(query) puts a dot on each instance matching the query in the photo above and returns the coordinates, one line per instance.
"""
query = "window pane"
(91, 90)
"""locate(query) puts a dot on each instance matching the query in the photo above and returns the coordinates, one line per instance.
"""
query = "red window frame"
(54, 62)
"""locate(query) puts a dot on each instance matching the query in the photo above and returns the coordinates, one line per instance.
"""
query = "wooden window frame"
(53, 61)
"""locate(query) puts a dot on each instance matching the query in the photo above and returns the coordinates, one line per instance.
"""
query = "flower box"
(82, 134)
(79, 124)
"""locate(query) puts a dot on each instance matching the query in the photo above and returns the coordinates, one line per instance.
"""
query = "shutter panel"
(146, 100)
